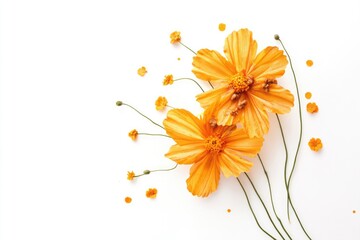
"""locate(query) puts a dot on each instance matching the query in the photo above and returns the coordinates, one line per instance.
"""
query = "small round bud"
(119, 103)
(277, 37)
(146, 171)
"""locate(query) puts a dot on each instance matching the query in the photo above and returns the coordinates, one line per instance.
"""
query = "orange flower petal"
(276, 100)
(187, 154)
(240, 49)
(233, 165)
(254, 119)
(210, 65)
(240, 142)
(209, 97)
(204, 177)
(182, 126)
(270, 63)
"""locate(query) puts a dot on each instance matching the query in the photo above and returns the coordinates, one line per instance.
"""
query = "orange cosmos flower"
(130, 175)
(209, 147)
(175, 37)
(161, 103)
(168, 80)
(312, 107)
(133, 134)
(315, 144)
(151, 193)
(244, 82)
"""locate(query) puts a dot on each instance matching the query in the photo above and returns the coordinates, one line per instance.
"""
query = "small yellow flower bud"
(277, 37)
(119, 103)
(146, 172)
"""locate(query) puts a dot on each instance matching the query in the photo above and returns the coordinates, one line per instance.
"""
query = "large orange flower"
(244, 82)
(209, 147)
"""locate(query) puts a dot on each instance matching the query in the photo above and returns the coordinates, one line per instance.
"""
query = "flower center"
(214, 144)
(240, 82)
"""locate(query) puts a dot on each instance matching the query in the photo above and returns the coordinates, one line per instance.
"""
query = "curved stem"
(286, 184)
(125, 104)
(191, 80)
(271, 197)
(301, 124)
(147, 172)
(298, 218)
(262, 202)
(252, 211)
(154, 134)
(163, 170)
(285, 167)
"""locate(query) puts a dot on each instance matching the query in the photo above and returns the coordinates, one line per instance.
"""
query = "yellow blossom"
(315, 144)
(142, 71)
(168, 79)
(175, 37)
(222, 26)
(312, 107)
(161, 103)
(151, 193)
(133, 134)
(130, 175)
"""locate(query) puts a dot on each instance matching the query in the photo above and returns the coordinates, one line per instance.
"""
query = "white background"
(64, 145)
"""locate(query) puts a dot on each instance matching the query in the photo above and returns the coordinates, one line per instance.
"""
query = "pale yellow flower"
(175, 37)
(142, 71)
(161, 103)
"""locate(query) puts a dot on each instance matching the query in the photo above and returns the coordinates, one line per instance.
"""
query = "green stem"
(286, 184)
(271, 197)
(262, 202)
(191, 80)
(125, 104)
(188, 48)
(154, 134)
(301, 124)
(252, 211)
(147, 172)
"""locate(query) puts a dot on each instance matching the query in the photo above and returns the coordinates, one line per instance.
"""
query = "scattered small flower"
(222, 26)
(178, 59)
(354, 211)
(151, 193)
(142, 71)
(161, 103)
(315, 144)
(308, 95)
(229, 210)
(309, 63)
(128, 199)
(130, 175)
(168, 79)
(175, 37)
(133, 134)
(312, 107)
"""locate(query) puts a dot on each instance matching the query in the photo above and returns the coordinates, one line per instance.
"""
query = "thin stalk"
(154, 134)
(288, 195)
(147, 172)
(262, 202)
(125, 104)
(191, 80)
(271, 197)
(252, 211)
(301, 126)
